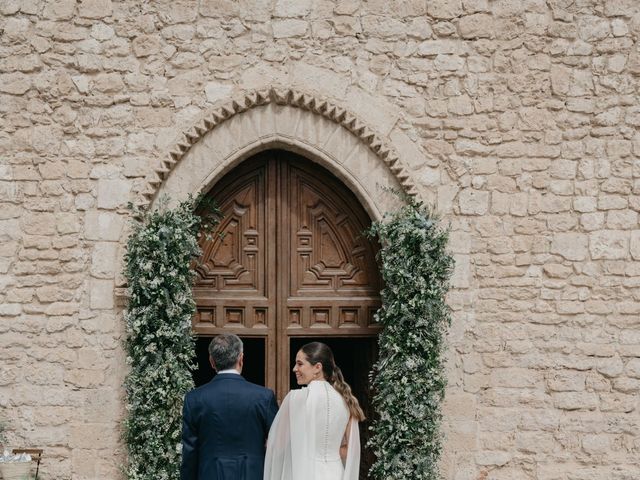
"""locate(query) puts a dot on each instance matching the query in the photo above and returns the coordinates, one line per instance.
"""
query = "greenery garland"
(159, 343)
(409, 379)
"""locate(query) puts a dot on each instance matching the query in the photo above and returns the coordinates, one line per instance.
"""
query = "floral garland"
(409, 377)
(159, 343)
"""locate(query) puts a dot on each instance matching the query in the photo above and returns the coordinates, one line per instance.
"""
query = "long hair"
(317, 352)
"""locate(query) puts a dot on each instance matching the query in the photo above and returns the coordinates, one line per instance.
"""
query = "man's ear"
(212, 363)
(241, 360)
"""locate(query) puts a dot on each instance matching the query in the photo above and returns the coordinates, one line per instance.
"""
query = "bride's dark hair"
(317, 352)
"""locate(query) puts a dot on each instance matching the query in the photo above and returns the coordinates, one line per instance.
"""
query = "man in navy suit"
(226, 422)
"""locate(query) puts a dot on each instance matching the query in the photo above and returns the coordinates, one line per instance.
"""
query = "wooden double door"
(289, 263)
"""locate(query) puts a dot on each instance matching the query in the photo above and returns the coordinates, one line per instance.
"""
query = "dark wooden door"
(288, 261)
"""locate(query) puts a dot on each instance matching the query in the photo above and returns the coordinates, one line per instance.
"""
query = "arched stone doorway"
(358, 162)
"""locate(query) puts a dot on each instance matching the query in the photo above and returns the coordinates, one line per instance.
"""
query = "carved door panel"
(235, 289)
(288, 260)
(330, 282)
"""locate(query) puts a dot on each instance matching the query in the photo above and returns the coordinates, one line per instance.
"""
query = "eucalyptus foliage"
(409, 378)
(159, 343)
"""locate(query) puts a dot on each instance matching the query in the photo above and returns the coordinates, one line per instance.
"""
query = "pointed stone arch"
(289, 119)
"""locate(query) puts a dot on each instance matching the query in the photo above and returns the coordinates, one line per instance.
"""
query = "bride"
(315, 433)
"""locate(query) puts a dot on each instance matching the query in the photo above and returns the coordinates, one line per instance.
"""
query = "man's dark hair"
(225, 349)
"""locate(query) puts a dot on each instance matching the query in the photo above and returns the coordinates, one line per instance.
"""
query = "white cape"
(291, 442)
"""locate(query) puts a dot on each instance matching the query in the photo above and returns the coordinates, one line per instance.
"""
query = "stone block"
(596, 444)
(16, 83)
(492, 458)
(51, 293)
(95, 8)
(609, 245)
(141, 143)
(105, 226)
(309, 76)
(610, 367)
(222, 8)
(575, 400)
(104, 262)
(217, 91)
(618, 402)
(102, 294)
(514, 378)
(479, 25)
(632, 368)
(290, 28)
(83, 434)
(101, 32)
(626, 385)
(585, 204)
(560, 79)
(634, 244)
(59, 9)
(10, 309)
(473, 202)
(113, 193)
(62, 308)
(622, 8)
(449, 63)
(461, 277)
(460, 406)
(408, 150)
(592, 221)
(459, 105)
(563, 169)
(444, 9)
(622, 219)
(593, 28)
(67, 223)
(566, 381)
(442, 47)
(39, 223)
(380, 116)
(108, 83)
(84, 378)
(146, 45)
(572, 246)
(293, 8)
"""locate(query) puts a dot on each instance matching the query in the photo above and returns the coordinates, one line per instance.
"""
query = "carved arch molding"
(282, 118)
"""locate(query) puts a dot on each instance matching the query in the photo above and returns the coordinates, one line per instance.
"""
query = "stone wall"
(525, 117)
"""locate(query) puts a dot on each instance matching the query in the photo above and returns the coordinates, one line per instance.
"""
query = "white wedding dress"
(305, 438)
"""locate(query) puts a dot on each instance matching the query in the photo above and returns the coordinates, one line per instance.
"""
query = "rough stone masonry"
(526, 117)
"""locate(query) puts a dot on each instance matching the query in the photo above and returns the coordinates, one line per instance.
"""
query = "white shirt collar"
(229, 370)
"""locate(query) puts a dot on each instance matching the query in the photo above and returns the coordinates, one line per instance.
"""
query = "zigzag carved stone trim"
(279, 96)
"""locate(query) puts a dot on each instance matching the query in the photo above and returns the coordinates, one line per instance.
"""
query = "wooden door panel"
(333, 284)
(330, 254)
(233, 260)
(232, 287)
(347, 314)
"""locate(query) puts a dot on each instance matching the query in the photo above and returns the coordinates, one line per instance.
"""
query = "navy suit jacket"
(225, 424)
